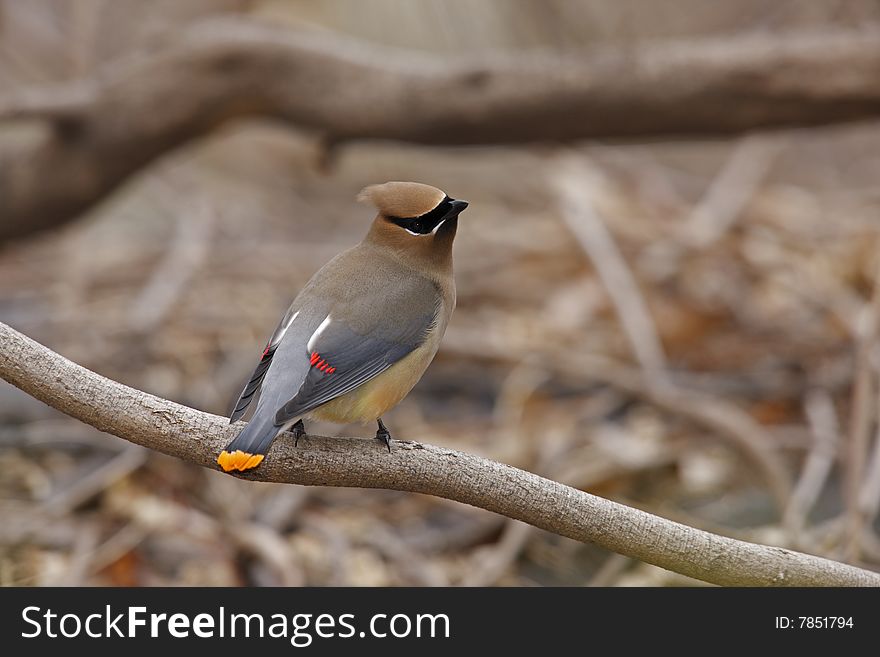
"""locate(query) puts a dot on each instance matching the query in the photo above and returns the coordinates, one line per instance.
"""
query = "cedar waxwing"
(362, 331)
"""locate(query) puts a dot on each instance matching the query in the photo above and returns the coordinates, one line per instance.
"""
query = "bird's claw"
(299, 430)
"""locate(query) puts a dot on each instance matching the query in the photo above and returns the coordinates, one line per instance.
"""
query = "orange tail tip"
(238, 460)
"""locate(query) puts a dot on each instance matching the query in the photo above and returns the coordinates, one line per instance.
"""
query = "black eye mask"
(424, 224)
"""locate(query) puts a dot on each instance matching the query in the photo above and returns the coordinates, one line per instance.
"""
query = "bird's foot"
(384, 435)
(299, 430)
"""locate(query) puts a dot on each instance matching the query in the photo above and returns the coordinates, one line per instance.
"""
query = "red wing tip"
(238, 460)
(321, 363)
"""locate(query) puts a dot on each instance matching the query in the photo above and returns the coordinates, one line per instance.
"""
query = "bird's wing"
(253, 384)
(342, 357)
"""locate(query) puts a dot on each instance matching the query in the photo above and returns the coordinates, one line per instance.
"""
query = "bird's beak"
(457, 208)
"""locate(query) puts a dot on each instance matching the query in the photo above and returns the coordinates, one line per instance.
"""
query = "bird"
(363, 330)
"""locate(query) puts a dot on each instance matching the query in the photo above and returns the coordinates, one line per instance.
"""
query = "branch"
(415, 467)
(109, 126)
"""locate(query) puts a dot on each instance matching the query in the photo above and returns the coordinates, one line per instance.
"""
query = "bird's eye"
(417, 227)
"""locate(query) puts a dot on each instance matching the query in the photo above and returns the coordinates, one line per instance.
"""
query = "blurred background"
(684, 324)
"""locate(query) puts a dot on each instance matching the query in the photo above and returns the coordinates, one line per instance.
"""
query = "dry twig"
(731, 190)
(182, 259)
(819, 408)
(577, 183)
(864, 417)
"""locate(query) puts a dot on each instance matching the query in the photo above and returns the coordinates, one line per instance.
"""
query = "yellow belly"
(373, 399)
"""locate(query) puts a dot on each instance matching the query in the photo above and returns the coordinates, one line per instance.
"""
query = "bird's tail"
(247, 450)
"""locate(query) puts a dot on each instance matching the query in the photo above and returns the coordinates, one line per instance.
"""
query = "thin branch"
(415, 467)
(89, 485)
(869, 502)
(183, 257)
(863, 417)
(610, 570)
(131, 112)
(819, 408)
(731, 190)
(577, 183)
(869, 499)
(491, 563)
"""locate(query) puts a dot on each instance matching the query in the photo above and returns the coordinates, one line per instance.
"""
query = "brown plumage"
(361, 333)
(402, 199)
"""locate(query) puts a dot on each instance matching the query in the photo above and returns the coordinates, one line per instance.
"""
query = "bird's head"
(413, 217)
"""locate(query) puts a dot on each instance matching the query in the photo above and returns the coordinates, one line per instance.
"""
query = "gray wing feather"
(253, 385)
(355, 359)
